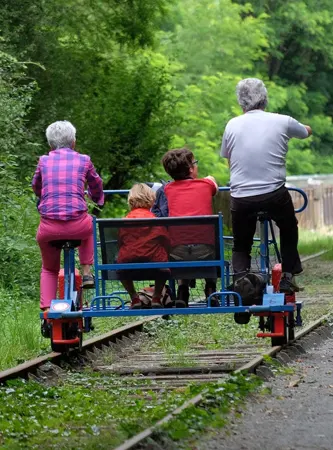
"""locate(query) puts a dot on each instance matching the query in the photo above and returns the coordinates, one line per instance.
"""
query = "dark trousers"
(280, 208)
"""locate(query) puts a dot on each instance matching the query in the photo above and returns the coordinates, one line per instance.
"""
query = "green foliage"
(211, 412)
(20, 337)
(215, 44)
(102, 74)
(300, 55)
(19, 254)
(19, 258)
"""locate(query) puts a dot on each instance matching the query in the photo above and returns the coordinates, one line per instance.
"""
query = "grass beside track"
(311, 242)
(20, 337)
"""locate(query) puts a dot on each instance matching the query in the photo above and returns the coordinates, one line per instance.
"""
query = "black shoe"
(45, 329)
(210, 288)
(242, 318)
(88, 282)
(287, 286)
(214, 301)
(183, 296)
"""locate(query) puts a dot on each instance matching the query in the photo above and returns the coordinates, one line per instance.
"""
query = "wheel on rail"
(67, 334)
(59, 348)
(291, 326)
(281, 340)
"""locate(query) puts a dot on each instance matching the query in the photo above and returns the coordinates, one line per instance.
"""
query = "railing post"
(318, 209)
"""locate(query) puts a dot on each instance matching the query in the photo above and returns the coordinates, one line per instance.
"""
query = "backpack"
(146, 295)
(251, 288)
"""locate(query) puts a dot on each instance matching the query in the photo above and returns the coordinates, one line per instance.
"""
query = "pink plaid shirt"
(59, 182)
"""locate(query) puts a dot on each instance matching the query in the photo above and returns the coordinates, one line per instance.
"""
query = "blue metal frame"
(101, 304)
(69, 274)
(225, 189)
(70, 292)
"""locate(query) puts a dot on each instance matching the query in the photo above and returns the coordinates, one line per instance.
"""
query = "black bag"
(250, 287)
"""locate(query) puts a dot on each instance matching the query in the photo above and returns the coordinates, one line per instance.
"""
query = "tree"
(17, 223)
(101, 73)
(213, 46)
(300, 54)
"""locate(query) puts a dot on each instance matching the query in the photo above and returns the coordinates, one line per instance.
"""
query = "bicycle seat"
(65, 243)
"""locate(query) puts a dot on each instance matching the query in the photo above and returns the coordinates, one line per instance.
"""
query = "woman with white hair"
(59, 182)
(256, 144)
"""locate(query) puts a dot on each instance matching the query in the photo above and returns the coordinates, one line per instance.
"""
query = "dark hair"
(178, 162)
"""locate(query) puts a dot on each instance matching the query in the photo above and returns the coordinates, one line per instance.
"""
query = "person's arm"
(163, 237)
(225, 151)
(215, 187)
(160, 207)
(297, 129)
(95, 185)
(37, 181)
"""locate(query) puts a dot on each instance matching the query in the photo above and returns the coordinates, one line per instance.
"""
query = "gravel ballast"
(297, 414)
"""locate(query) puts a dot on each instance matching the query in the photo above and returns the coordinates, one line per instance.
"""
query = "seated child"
(143, 244)
(188, 195)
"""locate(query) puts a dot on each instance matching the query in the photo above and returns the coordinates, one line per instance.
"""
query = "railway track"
(308, 337)
(31, 367)
(119, 352)
(122, 352)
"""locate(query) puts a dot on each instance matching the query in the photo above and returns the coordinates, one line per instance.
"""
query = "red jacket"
(143, 243)
(191, 197)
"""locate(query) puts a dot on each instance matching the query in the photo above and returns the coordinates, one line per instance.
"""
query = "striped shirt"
(59, 182)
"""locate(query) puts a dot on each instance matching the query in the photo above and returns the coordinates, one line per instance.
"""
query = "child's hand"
(211, 178)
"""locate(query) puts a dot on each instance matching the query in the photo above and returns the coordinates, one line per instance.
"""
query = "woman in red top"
(143, 244)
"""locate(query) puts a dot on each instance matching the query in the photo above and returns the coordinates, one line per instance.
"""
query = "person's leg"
(130, 288)
(183, 294)
(283, 213)
(182, 253)
(202, 252)
(82, 229)
(244, 222)
(158, 288)
(210, 288)
(49, 274)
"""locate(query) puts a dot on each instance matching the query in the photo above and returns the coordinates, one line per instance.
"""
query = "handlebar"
(223, 189)
(300, 191)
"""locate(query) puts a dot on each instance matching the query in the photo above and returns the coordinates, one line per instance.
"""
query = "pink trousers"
(51, 230)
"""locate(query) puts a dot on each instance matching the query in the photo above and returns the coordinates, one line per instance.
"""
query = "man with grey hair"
(256, 144)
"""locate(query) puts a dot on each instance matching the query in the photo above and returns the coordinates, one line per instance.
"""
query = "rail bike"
(69, 317)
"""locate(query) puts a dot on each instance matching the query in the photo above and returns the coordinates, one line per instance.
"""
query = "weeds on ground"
(90, 408)
(211, 412)
(83, 406)
(184, 334)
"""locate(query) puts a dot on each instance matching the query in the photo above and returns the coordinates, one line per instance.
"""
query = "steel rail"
(22, 370)
(249, 367)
